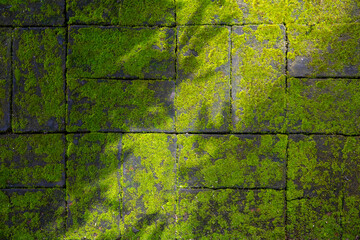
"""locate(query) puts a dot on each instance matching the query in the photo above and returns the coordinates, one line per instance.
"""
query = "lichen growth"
(39, 83)
(120, 105)
(258, 86)
(149, 186)
(324, 106)
(121, 52)
(231, 161)
(93, 190)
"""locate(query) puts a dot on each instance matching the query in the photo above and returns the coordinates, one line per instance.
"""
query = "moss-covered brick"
(324, 50)
(32, 12)
(93, 190)
(231, 214)
(120, 105)
(325, 11)
(5, 60)
(258, 72)
(4, 104)
(32, 160)
(351, 215)
(324, 106)
(149, 186)
(126, 12)
(121, 52)
(203, 83)
(219, 161)
(229, 11)
(31, 214)
(39, 81)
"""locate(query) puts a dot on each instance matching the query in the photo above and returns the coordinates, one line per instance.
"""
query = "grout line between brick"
(11, 83)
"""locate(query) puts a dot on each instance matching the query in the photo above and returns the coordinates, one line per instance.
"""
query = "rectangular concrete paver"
(324, 106)
(32, 213)
(39, 81)
(35, 160)
(92, 185)
(121, 52)
(5, 69)
(227, 161)
(135, 105)
(258, 78)
(203, 79)
(149, 186)
(231, 214)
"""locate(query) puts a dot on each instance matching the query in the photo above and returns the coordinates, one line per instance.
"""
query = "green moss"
(114, 52)
(324, 50)
(32, 160)
(120, 105)
(203, 83)
(324, 106)
(232, 161)
(39, 98)
(258, 88)
(149, 186)
(128, 12)
(5, 52)
(93, 185)
(229, 214)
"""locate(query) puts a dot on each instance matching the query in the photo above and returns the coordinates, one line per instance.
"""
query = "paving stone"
(39, 82)
(120, 105)
(5, 60)
(324, 106)
(127, 12)
(351, 218)
(326, 11)
(258, 86)
(231, 214)
(220, 161)
(121, 52)
(229, 12)
(324, 50)
(32, 213)
(149, 186)
(93, 190)
(32, 13)
(32, 160)
(203, 81)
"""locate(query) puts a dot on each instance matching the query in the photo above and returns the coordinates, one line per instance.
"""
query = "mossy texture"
(231, 161)
(5, 60)
(324, 50)
(121, 52)
(324, 106)
(32, 12)
(4, 105)
(120, 105)
(32, 214)
(39, 82)
(231, 214)
(32, 160)
(230, 11)
(258, 85)
(203, 84)
(127, 12)
(149, 186)
(93, 190)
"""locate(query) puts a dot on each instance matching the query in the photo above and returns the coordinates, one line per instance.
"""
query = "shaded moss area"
(324, 106)
(231, 161)
(149, 186)
(32, 12)
(32, 160)
(121, 52)
(32, 214)
(231, 214)
(5, 60)
(93, 190)
(39, 81)
(324, 50)
(258, 78)
(127, 12)
(203, 79)
(120, 105)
